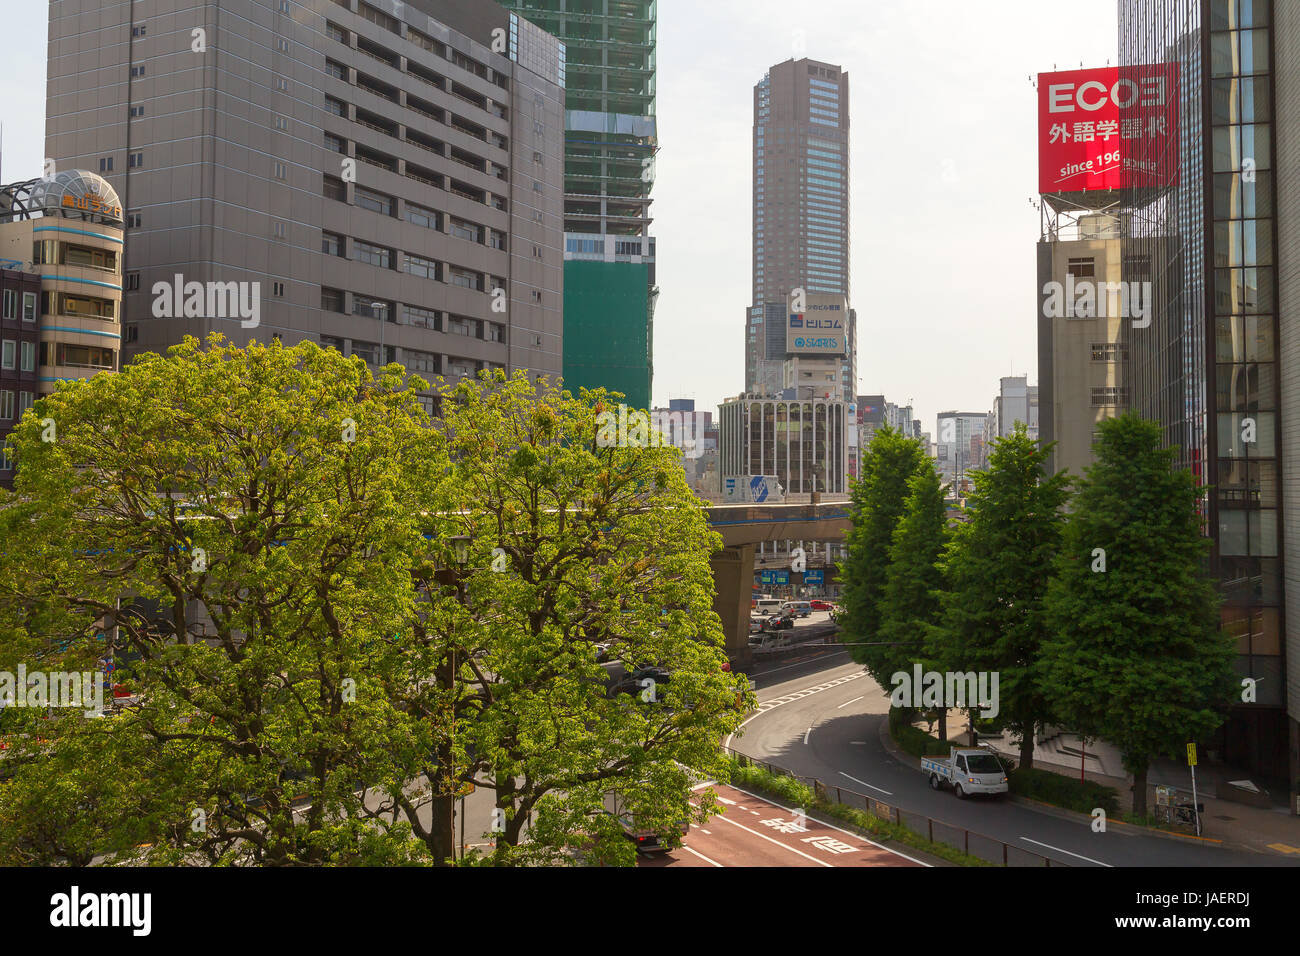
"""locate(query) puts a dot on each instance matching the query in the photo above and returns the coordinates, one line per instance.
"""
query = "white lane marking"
(729, 803)
(847, 702)
(783, 846)
(701, 855)
(709, 832)
(856, 836)
(803, 662)
(1067, 852)
(764, 707)
(701, 786)
(865, 784)
(806, 733)
(857, 743)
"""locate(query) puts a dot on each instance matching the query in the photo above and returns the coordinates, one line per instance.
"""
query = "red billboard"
(1108, 128)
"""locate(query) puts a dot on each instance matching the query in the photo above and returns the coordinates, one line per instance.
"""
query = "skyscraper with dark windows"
(801, 210)
(1219, 366)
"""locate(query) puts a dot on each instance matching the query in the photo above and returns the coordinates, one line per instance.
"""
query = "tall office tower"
(610, 141)
(381, 177)
(801, 209)
(1219, 366)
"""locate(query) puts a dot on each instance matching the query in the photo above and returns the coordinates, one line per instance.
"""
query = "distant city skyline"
(941, 205)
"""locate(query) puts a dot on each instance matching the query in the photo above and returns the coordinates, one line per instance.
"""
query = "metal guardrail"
(986, 848)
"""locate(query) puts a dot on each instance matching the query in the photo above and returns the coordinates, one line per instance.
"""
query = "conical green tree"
(1137, 657)
(910, 605)
(998, 566)
(879, 497)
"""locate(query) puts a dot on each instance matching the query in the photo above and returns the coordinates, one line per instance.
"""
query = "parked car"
(767, 605)
(756, 624)
(634, 681)
(779, 622)
(820, 605)
(798, 608)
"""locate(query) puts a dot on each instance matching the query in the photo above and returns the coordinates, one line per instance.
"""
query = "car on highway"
(647, 839)
(798, 608)
(767, 605)
(779, 622)
(756, 624)
(820, 605)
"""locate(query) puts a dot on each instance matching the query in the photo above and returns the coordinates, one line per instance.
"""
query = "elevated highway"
(744, 526)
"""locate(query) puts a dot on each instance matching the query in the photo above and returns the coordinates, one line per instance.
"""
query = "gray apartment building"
(801, 211)
(386, 178)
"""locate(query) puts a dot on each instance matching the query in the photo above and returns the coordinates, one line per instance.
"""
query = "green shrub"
(914, 740)
(1061, 791)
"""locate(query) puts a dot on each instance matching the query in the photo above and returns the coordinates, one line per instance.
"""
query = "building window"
(422, 318)
(461, 326)
(29, 306)
(11, 304)
(137, 70)
(25, 401)
(1082, 268)
(277, 290)
(6, 404)
(28, 356)
(279, 171)
(421, 216)
(139, 31)
(133, 220)
(371, 308)
(133, 333)
(424, 268)
(417, 361)
(1108, 352)
(334, 189)
(8, 353)
(375, 202)
(366, 351)
(375, 255)
(84, 356)
(1108, 395)
(106, 164)
(136, 160)
(331, 300)
(331, 243)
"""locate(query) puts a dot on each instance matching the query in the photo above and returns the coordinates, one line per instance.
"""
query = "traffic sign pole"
(1191, 762)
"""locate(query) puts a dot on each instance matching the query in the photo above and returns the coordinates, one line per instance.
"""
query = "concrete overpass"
(744, 526)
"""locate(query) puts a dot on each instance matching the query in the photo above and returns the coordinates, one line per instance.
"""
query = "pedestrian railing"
(975, 844)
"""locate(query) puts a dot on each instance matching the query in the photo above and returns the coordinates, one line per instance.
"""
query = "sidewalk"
(1273, 831)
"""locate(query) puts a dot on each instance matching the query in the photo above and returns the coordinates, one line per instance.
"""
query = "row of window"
(332, 300)
(9, 409)
(11, 349)
(56, 252)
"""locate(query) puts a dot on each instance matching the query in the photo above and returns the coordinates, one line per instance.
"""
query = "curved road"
(822, 718)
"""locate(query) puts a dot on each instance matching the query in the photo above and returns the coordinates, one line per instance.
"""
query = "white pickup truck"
(968, 771)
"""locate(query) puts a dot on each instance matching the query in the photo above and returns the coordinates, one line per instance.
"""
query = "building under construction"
(610, 143)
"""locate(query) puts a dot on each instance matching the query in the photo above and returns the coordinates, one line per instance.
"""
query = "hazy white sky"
(943, 165)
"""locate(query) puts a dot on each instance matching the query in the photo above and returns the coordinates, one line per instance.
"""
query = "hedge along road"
(818, 720)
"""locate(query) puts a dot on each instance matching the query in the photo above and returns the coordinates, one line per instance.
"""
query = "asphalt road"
(753, 831)
(821, 716)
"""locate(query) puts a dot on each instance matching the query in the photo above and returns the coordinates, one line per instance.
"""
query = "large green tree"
(998, 566)
(879, 497)
(574, 536)
(1136, 656)
(910, 604)
(240, 522)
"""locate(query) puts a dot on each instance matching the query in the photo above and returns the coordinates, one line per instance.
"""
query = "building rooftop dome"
(73, 194)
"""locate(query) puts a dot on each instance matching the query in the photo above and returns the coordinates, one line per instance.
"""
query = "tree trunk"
(1027, 747)
(442, 828)
(1140, 790)
(943, 725)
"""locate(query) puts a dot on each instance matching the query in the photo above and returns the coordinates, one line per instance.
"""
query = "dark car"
(635, 681)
